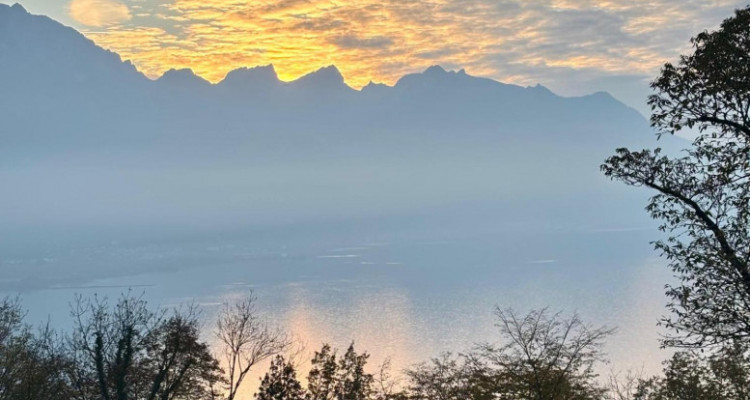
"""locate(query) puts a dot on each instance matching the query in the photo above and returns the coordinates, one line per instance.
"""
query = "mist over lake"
(405, 292)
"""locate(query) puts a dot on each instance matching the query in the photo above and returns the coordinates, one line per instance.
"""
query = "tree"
(280, 382)
(129, 352)
(354, 383)
(32, 366)
(180, 364)
(245, 340)
(444, 378)
(108, 346)
(342, 379)
(624, 387)
(689, 376)
(386, 385)
(702, 197)
(321, 380)
(543, 356)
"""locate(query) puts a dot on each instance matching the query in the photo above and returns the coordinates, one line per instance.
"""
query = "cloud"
(568, 42)
(99, 13)
(354, 42)
(542, 262)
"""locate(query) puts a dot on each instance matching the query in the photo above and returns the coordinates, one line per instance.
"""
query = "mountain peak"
(434, 75)
(373, 87)
(435, 70)
(15, 8)
(175, 72)
(18, 8)
(182, 77)
(329, 74)
(324, 78)
(254, 76)
(602, 95)
(540, 88)
(372, 84)
(67, 55)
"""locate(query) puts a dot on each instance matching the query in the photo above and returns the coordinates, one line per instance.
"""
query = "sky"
(573, 47)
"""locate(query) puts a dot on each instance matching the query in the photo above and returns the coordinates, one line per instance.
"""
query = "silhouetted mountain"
(37, 50)
(375, 87)
(325, 79)
(251, 80)
(88, 140)
(43, 59)
(184, 79)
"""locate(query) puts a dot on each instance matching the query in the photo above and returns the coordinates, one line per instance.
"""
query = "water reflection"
(404, 299)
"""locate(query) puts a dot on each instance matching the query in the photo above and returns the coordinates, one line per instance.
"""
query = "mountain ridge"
(47, 60)
(324, 78)
(90, 142)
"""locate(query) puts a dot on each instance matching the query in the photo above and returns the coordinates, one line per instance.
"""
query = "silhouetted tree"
(703, 197)
(32, 365)
(386, 386)
(354, 383)
(690, 376)
(109, 345)
(180, 364)
(342, 379)
(245, 340)
(541, 356)
(321, 380)
(444, 378)
(280, 382)
(129, 352)
(624, 386)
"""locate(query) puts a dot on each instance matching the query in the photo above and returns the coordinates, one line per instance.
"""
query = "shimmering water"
(404, 296)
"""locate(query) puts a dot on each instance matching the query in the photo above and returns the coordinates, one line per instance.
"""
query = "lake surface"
(408, 293)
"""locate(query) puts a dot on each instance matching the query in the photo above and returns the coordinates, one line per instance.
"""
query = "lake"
(408, 292)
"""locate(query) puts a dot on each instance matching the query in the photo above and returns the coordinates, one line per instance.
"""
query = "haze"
(243, 145)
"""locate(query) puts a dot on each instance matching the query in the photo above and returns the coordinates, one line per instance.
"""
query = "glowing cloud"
(520, 41)
(99, 13)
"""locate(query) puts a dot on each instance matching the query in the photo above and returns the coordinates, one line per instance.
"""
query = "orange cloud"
(99, 13)
(517, 40)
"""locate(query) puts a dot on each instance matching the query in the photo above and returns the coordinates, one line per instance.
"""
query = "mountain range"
(94, 149)
(44, 60)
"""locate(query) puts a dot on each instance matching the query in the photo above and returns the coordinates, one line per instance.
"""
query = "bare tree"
(446, 377)
(387, 386)
(245, 340)
(544, 356)
(297, 353)
(624, 386)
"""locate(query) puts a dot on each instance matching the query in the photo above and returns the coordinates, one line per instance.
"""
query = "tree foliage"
(128, 352)
(32, 365)
(344, 378)
(280, 382)
(546, 356)
(690, 376)
(703, 196)
(541, 356)
(446, 377)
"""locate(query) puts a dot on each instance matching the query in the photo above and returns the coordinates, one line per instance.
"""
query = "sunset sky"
(571, 46)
